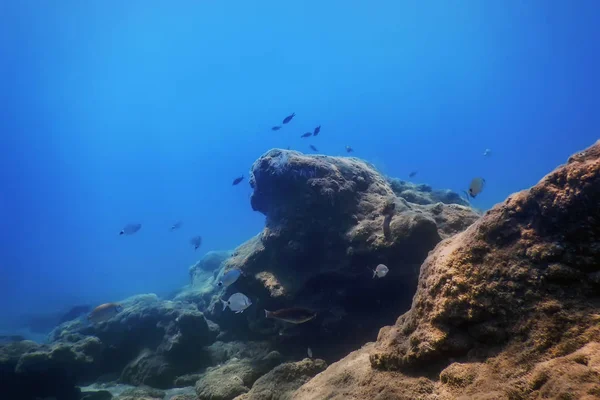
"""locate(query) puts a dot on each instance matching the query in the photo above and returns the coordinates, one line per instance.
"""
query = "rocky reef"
(326, 224)
(500, 306)
(508, 309)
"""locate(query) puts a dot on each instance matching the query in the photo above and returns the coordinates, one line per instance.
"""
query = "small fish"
(317, 130)
(230, 277)
(349, 149)
(292, 315)
(288, 118)
(104, 312)
(237, 303)
(305, 135)
(196, 241)
(413, 174)
(487, 153)
(238, 180)
(176, 225)
(380, 271)
(276, 128)
(476, 186)
(313, 148)
(309, 352)
(130, 229)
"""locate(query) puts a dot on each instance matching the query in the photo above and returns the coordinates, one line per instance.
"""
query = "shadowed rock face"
(324, 235)
(508, 309)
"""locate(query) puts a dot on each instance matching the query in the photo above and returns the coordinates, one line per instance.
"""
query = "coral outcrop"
(324, 235)
(508, 309)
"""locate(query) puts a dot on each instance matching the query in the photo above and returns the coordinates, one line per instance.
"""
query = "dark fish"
(276, 128)
(288, 147)
(317, 130)
(307, 134)
(293, 315)
(288, 118)
(196, 241)
(130, 229)
(313, 148)
(412, 174)
(238, 180)
(176, 225)
(349, 149)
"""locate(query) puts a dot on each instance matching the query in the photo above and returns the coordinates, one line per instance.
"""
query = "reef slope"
(508, 309)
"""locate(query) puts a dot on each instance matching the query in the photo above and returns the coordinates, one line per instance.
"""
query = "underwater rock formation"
(508, 309)
(204, 276)
(29, 370)
(424, 194)
(235, 377)
(150, 342)
(324, 235)
(282, 381)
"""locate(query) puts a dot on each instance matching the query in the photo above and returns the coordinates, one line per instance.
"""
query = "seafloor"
(503, 305)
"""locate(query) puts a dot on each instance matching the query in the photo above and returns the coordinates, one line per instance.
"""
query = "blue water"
(145, 111)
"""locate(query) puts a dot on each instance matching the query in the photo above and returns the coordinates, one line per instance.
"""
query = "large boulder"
(329, 222)
(151, 341)
(29, 370)
(508, 309)
(234, 377)
(282, 381)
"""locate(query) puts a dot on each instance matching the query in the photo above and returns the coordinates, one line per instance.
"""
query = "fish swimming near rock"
(237, 303)
(309, 352)
(104, 312)
(238, 180)
(413, 174)
(317, 130)
(229, 277)
(476, 187)
(305, 135)
(380, 271)
(288, 118)
(349, 149)
(276, 128)
(130, 229)
(176, 225)
(292, 315)
(196, 241)
(313, 148)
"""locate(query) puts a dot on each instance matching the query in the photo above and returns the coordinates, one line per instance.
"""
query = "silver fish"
(476, 186)
(230, 277)
(130, 229)
(310, 353)
(237, 303)
(380, 271)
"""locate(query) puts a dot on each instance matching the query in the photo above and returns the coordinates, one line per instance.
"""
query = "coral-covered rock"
(150, 369)
(424, 194)
(282, 381)
(150, 341)
(29, 370)
(505, 310)
(235, 377)
(329, 222)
